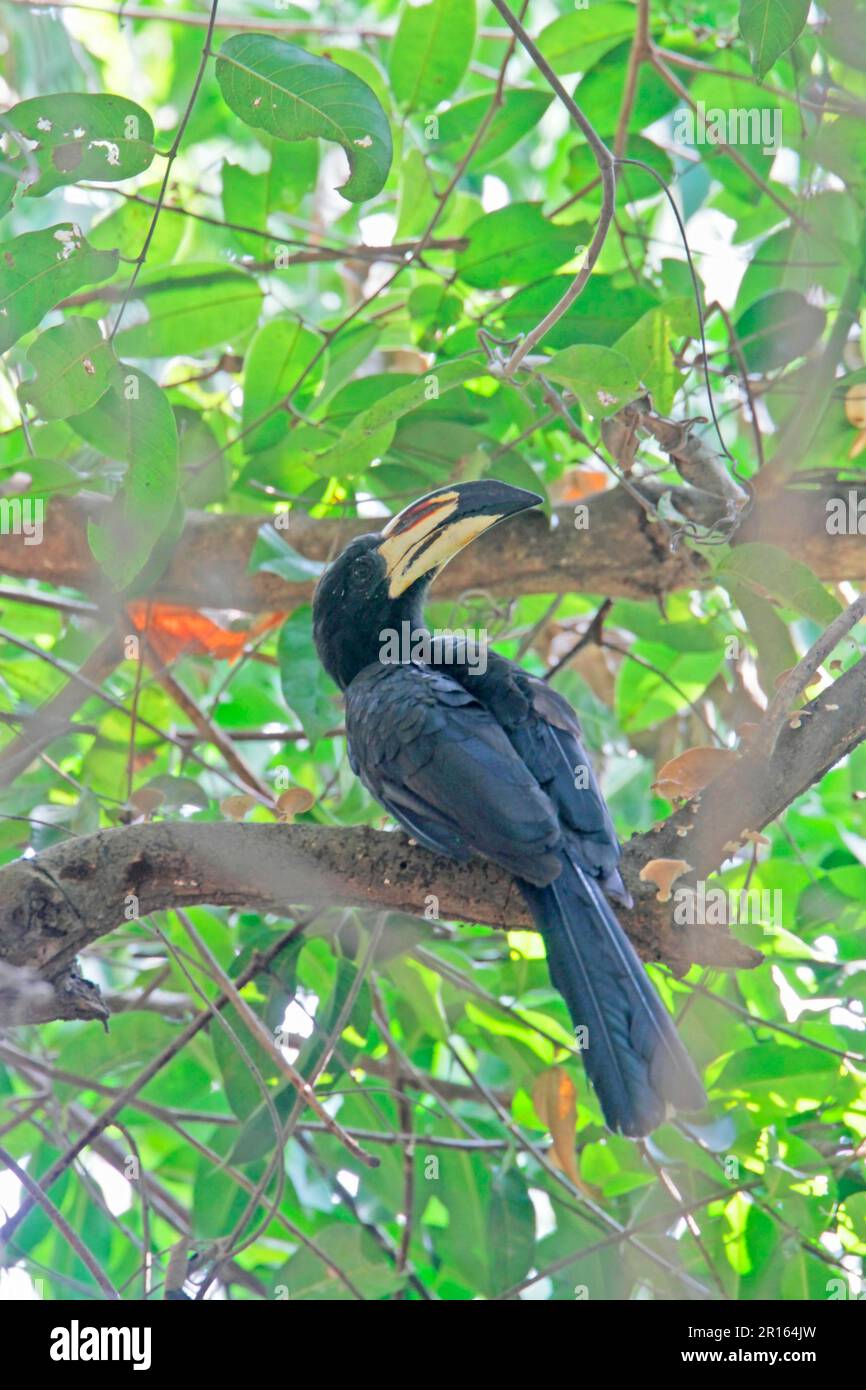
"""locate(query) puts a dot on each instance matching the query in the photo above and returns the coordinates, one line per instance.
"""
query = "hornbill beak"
(430, 532)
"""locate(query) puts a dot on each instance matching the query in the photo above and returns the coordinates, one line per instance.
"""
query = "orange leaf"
(690, 771)
(581, 482)
(174, 630)
(555, 1101)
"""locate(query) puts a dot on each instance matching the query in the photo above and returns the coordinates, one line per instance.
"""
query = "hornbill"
(475, 759)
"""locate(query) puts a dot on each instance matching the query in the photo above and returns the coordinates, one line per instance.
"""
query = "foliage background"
(261, 328)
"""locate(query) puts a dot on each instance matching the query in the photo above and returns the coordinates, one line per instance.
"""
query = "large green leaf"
(430, 51)
(190, 308)
(490, 1236)
(370, 432)
(278, 355)
(38, 269)
(648, 345)
(73, 365)
(602, 312)
(75, 136)
(770, 27)
(772, 571)
(133, 422)
(517, 244)
(575, 41)
(777, 328)
(603, 380)
(295, 95)
(521, 110)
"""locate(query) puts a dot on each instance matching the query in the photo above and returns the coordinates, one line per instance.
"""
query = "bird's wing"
(550, 743)
(443, 767)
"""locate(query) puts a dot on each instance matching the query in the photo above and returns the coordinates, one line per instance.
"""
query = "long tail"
(639, 1068)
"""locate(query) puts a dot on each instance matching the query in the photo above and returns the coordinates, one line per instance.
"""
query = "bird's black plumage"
(491, 762)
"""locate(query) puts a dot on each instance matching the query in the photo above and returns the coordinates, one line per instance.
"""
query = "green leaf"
(774, 573)
(306, 687)
(307, 1277)
(125, 228)
(37, 269)
(242, 1087)
(517, 244)
(73, 365)
(276, 87)
(648, 345)
(777, 328)
(770, 27)
(602, 312)
(660, 682)
(603, 380)
(274, 555)
(277, 356)
(521, 110)
(430, 51)
(371, 432)
(190, 308)
(78, 136)
(490, 1238)
(133, 422)
(574, 42)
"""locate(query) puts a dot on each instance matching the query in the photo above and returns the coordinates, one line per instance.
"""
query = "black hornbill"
(490, 761)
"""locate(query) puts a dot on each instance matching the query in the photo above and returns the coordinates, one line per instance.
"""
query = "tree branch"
(620, 554)
(54, 905)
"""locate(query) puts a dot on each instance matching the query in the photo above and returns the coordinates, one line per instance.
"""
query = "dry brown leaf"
(689, 772)
(555, 1101)
(663, 873)
(294, 802)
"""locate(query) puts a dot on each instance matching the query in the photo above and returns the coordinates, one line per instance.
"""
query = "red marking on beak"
(414, 515)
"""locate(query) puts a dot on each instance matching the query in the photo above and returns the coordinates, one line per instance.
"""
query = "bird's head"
(380, 580)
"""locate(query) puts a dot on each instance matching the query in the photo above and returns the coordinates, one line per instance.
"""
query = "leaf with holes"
(38, 269)
(73, 365)
(603, 380)
(295, 95)
(75, 135)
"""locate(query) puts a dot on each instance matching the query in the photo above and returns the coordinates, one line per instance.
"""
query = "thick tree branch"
(621, 553)
(54, 905)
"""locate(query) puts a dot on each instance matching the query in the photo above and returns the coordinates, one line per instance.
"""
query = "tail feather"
(633, 1056)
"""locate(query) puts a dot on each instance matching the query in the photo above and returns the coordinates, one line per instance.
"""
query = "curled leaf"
(295, 95)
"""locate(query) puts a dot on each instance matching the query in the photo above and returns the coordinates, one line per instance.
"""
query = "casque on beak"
(430, 532)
